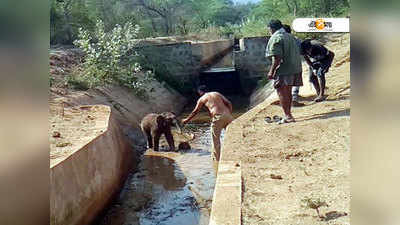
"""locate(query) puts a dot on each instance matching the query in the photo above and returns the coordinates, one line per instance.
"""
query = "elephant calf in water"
(154, 125)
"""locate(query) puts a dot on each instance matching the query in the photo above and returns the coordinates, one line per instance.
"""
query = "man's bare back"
(216, 104)
(220, 110)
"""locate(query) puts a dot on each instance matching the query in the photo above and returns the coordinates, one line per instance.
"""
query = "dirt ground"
(289, 171)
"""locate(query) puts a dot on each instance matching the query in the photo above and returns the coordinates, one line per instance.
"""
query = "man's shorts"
(288, 80)
(319, 68)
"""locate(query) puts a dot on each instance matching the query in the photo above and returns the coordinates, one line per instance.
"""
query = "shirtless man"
(220, 110)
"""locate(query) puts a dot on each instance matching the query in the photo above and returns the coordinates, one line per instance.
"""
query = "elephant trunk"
(178, 126)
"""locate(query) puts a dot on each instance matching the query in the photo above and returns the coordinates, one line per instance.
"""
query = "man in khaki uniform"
(220, 110)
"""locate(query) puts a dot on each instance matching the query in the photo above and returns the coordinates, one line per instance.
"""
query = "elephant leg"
(170, 140)
(149, 140)
(156, 140)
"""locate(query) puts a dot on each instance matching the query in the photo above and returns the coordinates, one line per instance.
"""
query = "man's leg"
(289, 103)
(321, 81)
(227, 119)
(314, 80)
(216, 129)
(285, 97)
(295, 93)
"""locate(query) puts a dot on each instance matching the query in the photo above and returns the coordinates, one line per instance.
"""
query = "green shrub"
(80, 81)
(108, 58)
(252, 27)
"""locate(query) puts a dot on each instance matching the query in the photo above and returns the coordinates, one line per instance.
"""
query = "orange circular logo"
(320, 24)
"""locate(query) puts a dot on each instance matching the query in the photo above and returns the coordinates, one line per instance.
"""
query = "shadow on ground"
(337, 113)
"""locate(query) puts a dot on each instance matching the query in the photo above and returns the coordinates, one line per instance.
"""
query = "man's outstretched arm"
(196, 110)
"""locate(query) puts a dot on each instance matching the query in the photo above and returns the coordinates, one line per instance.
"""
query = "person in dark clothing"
(319, 60)
(288, 30)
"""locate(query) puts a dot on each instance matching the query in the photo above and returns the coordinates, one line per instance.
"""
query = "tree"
(292, 6)
(165, 9)
(66, 16)
(181, 17)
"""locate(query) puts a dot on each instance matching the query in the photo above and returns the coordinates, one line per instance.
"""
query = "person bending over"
(319, 60)
(220, 111)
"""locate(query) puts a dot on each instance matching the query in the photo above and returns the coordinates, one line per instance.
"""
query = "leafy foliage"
(287, 11)
(183, 17)
(107, 59)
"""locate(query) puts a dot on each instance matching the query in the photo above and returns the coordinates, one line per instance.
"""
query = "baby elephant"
(154, 125)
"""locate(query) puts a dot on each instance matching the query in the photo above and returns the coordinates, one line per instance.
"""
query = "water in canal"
(170, 188)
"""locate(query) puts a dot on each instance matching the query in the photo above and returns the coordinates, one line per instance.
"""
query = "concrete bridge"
(223, 65)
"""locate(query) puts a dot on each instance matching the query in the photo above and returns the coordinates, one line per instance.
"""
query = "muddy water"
(170, 188)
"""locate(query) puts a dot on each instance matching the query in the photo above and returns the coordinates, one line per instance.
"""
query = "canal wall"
(86, 180)
(213, 54)
(250, 62)
(180, 63)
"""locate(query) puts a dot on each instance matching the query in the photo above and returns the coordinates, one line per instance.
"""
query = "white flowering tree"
(107, 59)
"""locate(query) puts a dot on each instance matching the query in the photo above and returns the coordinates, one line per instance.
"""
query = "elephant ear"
(171, 120)
(169, 115)
(161, 121)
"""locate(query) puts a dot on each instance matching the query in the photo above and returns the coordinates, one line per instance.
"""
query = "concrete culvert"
(224, 80)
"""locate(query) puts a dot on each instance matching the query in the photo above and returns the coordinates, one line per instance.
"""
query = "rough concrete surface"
(206, 51)
(85, 178)
(227, 195)
(250, 62)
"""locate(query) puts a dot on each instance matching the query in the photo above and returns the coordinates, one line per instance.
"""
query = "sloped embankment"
(288, 171)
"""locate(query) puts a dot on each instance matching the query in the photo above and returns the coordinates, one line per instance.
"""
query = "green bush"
(109, 58)
(252, 27)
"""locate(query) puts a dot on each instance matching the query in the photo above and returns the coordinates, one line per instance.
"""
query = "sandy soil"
(290, 170)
